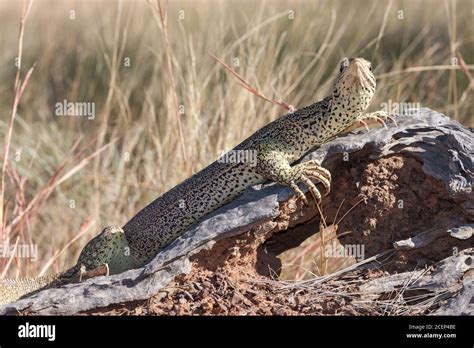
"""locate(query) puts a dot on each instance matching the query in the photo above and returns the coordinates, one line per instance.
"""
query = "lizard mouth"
(363, 77)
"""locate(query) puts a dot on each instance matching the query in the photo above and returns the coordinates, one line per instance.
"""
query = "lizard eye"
(370, 67)
(344, 64)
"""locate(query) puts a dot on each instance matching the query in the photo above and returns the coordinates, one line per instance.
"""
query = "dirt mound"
(391, 199)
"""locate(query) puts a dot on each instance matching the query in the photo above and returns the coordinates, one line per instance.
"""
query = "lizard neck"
(344, 108)
(110, 247)
(168, 216)
(121, 258)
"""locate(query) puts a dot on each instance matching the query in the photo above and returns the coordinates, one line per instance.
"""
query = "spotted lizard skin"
(276, 147)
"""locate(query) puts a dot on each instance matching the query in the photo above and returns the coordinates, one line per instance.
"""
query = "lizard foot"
(102, 270)
(377, 116)
(303, 172)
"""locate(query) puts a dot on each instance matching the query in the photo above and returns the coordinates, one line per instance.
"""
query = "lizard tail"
(14, 289)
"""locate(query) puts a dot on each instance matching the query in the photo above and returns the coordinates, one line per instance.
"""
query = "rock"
(424, 238)
(462, 232)
(448, 275)
(443, 146)
(462, 303)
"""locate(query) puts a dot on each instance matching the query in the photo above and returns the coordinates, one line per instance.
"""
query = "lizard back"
(171, 214)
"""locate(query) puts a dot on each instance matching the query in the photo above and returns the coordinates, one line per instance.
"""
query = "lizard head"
(355, 85)
(109, 247)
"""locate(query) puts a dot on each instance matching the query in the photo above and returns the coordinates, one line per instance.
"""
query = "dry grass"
(406, 298)
(174, 93)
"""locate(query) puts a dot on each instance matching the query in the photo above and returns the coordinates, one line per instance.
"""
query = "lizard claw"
(311, 170)
(377, 116)
(364, 124)
(391, 118)
(298, 192)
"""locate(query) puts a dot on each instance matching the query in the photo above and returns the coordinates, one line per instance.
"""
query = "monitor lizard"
(276, 147)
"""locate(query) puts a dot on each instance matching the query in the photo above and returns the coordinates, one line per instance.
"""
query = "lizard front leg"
(274, 166)
(79, 273)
